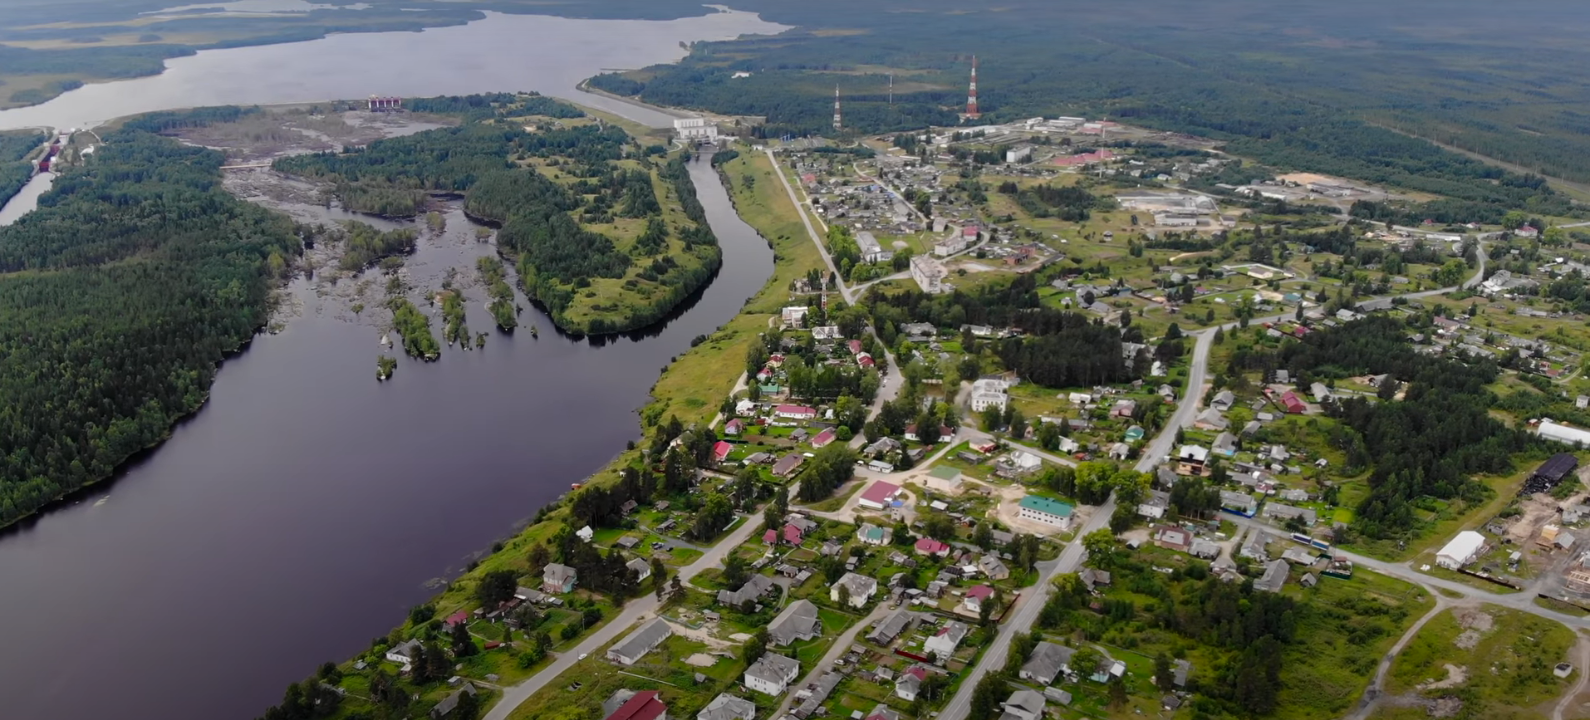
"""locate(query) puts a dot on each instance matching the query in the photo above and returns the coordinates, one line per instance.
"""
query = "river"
(306, 506)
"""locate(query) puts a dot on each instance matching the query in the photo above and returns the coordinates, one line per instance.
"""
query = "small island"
(607, 234)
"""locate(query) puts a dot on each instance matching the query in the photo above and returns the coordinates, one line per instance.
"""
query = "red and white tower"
(837, 124)
(971, 93)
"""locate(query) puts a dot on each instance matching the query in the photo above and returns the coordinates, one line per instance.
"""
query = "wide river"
(305, 507)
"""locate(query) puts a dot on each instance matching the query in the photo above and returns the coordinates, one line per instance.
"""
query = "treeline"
(1431, 443)
(166, 121)
(493, 105)
(1072, 204)
(502, 306)
(15, 169)
(103, 354)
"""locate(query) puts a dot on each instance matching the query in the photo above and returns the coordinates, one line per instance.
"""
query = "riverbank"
(691, 388)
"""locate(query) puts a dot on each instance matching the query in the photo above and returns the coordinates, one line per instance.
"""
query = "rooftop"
(1046, 505)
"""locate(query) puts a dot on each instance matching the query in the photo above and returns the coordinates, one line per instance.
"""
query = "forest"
(102, 354)
(543, 222)
(15, 169)
(1152, 65)
(1429, 444)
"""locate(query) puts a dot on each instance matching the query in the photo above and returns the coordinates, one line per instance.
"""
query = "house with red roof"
(795, 412)
(975, 598)
(770, 536)
(793, 535)
(854, 345)
(644, 705)
(457, 618)
(720, 451)
(775, 360)
(865, 360)
(734, 427)
(929, 546)
(824, 438)
(1292, 402)
(879, 495)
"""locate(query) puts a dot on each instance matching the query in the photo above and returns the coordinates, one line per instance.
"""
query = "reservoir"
(306, 507)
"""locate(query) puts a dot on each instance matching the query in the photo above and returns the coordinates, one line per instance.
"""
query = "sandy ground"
(1475, 624)
(1455, 675)
(278, 132)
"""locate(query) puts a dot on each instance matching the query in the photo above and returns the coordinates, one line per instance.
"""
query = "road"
(636, 610)
(1371, 697)
(841, 644)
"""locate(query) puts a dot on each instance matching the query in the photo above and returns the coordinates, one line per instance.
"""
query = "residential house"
(989, 392)
(892, 627)
(1155, 505)
(976, 597)
(728, 707)
(644, 705)
(558, 579)
(992, 567)
(883, 712)
(1284, 513)
(1094, 578)
(794, 315)
(860, 587)
(1211, 419)
(641, 568)
(1204, 548)
(929, 546)
(771, 674)
(797, 622)
(1225, 445)
(910, 682)
(1254, 548)
(1223, 401)
(1274, 578)
(787, 465)
(1022, 462)
(825, 332)
(824, 438)
(1299, 556)
(753, 589)
(1046, 662)
(795, 412)
(632, 648)
(1238, 502)
(450, 703)
(720, 452)
(944, 642)
(405, 652)
(1292, 403)
(874, 535)
(1023, 705)
(1046, 510)
(1124, 408)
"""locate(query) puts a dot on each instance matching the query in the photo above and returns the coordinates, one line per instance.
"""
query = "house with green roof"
(874, 535)
(1048, 511)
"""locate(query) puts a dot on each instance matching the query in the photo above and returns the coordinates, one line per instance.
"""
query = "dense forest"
(124, 289)
(557, 258)
(1429, 444)
(15, 169)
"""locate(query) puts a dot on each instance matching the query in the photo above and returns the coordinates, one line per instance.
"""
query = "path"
(840, 646)
(1371, 696)
(636, 610)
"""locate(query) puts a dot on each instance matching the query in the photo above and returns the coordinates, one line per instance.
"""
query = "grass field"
(1505, 655)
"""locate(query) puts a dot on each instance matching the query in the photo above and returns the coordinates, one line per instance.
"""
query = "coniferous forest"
(120, 295)
(15, 170)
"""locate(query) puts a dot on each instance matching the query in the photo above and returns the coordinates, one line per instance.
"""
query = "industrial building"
(929, 274)
(696, 130)
(1461, 551)
(1563, 433)
(871, 250)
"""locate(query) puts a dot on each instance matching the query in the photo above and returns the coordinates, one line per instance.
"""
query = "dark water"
(299, 514)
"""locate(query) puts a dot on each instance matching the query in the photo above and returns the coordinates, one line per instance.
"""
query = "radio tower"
(837, 124)
(971, 94)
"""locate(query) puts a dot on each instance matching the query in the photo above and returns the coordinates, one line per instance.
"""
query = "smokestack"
(971, 94)
(837, 124)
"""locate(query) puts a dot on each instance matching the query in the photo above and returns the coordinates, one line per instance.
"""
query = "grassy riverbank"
(691, 388)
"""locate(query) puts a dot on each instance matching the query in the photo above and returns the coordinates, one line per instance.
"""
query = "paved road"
(1032, 602)
(639, 609)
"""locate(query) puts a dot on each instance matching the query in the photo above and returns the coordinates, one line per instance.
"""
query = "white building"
(1461, 551)
(772, 673)
(1563, 433)
(989, 392)
(794, 315)
(1046, 510)
(946, 639)
(871, 250)
(860, 587)
(1018, 154)
(950, 245)
(696, 130)
(929, 274)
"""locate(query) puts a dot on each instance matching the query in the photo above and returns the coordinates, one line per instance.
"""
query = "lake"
(306, 507)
